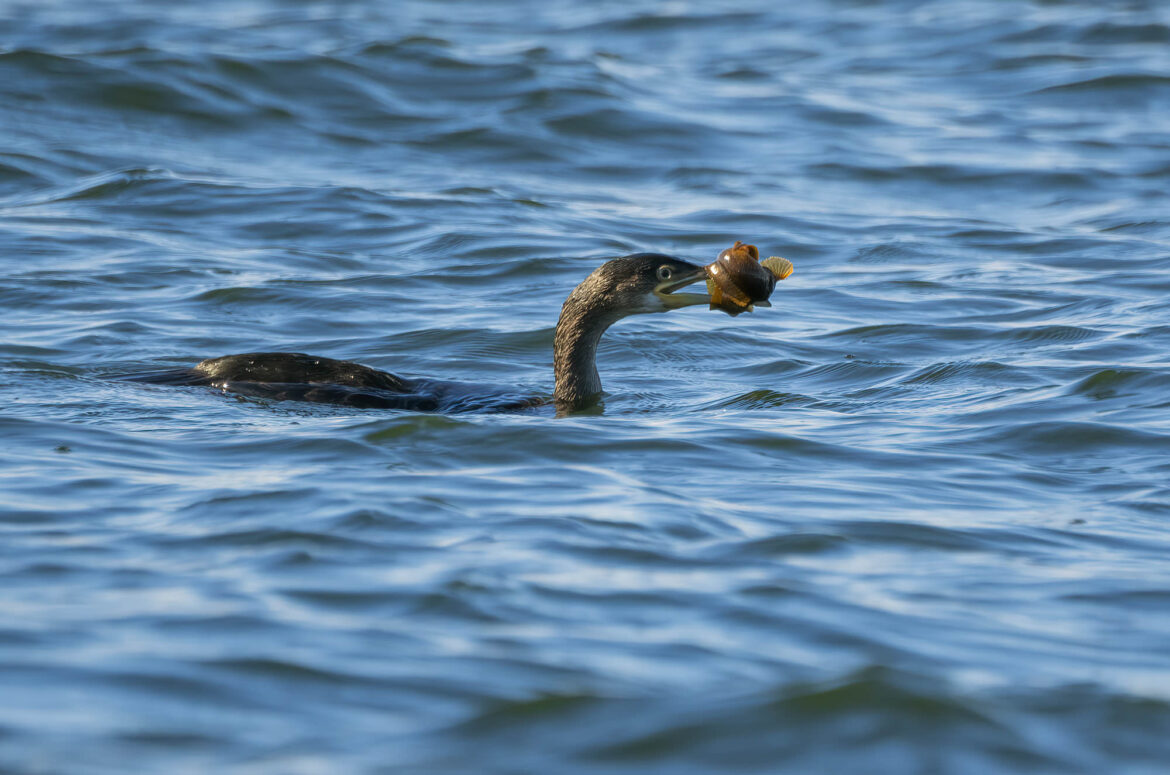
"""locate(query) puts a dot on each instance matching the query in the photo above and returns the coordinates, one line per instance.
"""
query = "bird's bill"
(665, 291)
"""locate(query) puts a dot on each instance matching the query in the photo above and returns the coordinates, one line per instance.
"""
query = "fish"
(737, 280)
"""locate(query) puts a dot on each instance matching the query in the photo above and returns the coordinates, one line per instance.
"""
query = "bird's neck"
(584, 318)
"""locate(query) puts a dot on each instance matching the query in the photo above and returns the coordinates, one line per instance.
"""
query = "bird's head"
(644, 282)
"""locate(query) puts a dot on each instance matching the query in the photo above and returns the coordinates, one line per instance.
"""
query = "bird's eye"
(664, 273)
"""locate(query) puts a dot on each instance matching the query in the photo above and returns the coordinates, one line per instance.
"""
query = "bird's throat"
(583, 320)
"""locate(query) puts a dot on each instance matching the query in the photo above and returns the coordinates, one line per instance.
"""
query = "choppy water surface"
(913, 518)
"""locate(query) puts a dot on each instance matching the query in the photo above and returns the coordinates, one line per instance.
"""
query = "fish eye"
(664, 272)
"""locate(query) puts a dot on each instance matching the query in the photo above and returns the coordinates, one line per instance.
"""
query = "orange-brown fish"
(737, 280)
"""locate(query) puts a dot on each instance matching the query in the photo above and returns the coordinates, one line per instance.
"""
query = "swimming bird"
(631, 285)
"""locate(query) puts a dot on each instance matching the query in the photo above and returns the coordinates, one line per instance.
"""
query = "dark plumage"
(636, 284)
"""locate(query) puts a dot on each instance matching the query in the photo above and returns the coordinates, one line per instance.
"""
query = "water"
(913, 518)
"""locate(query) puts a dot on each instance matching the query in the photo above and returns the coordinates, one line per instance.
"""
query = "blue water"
(914, 518)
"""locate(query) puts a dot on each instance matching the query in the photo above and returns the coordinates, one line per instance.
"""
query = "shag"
(631, 285)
